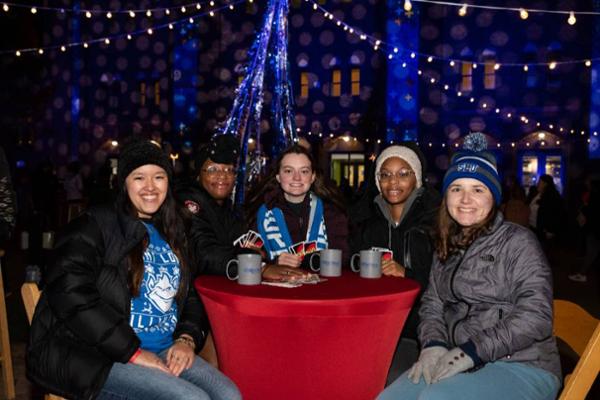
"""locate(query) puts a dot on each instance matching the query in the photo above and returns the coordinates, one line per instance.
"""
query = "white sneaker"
(578, 277)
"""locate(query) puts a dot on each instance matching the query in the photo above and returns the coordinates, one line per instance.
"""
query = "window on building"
(489, 78)
(466, 84)
(336, 83)
(355, 81)
(304, 85)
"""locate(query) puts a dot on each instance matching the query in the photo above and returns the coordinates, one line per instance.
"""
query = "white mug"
(370, 264)
(330, 262)
(249, 269)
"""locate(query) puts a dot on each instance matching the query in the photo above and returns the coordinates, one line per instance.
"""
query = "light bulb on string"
(129, 37)
(85, 45)
(41, 51)
(183, 9)
(552, 65)
(523, 13)
(148, 13)
(109, 15)
(198, 6)
(395, 50)
(168, 12)
(5, 7)
(131, 14)
(18, 53)
(571, 20)
(107, 41)
(407, 5)
(525, 68)
(150, 31)
(33, 10)
(496, 66)
(212, 3)
(191, 20)
(231, 6)
(88, 14)
(212, 14)
(452, 63)
(315, 6)
(171, 26)
(462, 11)
(412, 55)
(429, 59)
(588, 63)
(474, 65)
(63, 48)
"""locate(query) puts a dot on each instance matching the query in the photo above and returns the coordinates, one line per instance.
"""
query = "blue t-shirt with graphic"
(154, 311)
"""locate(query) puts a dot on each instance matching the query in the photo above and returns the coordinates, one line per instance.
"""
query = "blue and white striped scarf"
(274, 231)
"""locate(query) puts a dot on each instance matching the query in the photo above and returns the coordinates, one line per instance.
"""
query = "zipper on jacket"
(500, 314)
(455, 325)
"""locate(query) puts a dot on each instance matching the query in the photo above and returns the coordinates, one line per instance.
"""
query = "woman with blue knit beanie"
(486, 317)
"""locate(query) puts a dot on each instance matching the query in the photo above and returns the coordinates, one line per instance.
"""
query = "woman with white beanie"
(402, 219)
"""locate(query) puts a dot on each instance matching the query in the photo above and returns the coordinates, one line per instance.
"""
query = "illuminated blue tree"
(267, 56)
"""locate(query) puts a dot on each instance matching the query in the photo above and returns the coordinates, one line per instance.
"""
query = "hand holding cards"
(303, 248)
(249, 240)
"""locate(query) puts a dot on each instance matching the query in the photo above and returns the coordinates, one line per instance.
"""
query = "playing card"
(386, 254)
(240, 241)
(298, 248)
(310, 247)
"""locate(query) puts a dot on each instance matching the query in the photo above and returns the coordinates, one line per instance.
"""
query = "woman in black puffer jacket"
(119, 316)
(402, 221)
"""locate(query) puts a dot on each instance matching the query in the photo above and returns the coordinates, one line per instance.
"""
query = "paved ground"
(563, 259)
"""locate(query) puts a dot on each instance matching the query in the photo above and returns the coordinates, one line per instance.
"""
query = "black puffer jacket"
(81, 323)
(212, 230)
(410, 240)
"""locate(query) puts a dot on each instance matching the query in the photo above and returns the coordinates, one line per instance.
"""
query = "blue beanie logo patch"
(467, 167)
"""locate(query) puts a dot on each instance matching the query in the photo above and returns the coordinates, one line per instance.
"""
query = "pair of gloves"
(436, 363)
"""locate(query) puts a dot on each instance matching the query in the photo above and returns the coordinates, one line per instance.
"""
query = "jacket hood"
(385, 208)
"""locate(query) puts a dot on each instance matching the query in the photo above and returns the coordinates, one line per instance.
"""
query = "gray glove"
(452, 363)
(426, 363)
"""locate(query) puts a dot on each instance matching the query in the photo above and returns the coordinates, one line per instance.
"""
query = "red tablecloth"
(333, 340)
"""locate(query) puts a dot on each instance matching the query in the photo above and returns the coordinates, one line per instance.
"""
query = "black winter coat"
(410, 241)
(212, 230)
(81, 323)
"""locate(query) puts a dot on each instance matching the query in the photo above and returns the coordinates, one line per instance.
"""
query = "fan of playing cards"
(249, 240)
(303, 248)
(295, 281)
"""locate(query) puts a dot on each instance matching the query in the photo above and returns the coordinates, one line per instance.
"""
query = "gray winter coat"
(494, 300)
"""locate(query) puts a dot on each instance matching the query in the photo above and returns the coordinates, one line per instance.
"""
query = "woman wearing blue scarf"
(293, 204)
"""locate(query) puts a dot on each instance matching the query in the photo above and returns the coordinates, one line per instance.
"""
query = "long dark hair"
(168, 221)
(256, 197)
(451, 237)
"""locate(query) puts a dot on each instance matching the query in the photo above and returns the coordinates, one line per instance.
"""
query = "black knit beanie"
(140, 152)
(221, 149)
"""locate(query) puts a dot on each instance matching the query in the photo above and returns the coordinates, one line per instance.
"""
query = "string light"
(462, 11)
(571, 20)
(552, 65)
(523, 13)
(5, 7)
(148, 13)
(33, 10)
(407, 5)
(88, 14)
(109, 15)
(131, 14)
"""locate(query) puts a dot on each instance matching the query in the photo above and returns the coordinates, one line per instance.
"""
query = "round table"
(332, 340)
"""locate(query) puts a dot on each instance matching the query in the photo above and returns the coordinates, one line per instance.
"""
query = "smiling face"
(295, 176)
(469, 201)
(147, 188)
(217, 179)
(397, 180)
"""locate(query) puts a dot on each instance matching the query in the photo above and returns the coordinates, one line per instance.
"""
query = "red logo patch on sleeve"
(192, 206)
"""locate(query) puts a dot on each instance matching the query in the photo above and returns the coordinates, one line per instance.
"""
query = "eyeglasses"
(386, 176)
(214, 171)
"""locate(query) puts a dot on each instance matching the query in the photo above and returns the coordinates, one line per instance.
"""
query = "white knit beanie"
(404, 153)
